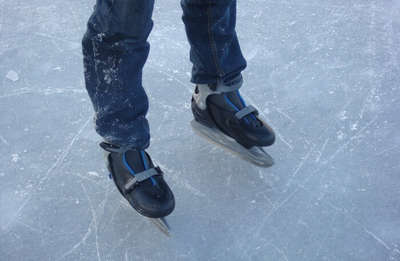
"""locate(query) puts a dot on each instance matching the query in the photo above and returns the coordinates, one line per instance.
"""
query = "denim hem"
(126, 145)
(226, 83)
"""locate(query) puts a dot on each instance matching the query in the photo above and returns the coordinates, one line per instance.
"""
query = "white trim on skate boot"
(255, 155)
(204, 91)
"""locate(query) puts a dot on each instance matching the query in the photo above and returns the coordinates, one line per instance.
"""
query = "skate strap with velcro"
(139, 177)
(245, 111)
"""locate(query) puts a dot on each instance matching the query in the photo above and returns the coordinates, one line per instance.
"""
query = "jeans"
(115, 49)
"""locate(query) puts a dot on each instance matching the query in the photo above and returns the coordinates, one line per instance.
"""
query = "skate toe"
(262, 136)
(153, 201)
(266, 138)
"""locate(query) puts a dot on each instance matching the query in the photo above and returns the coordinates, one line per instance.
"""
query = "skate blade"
(162, 225)
(255, 155)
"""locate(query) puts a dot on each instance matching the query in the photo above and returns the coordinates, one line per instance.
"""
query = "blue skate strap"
(139, 177)
(245, 111)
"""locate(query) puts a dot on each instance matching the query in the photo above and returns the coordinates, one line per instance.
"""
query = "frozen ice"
(326, 76)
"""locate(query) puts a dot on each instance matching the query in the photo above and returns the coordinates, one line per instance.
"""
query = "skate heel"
(202, 116)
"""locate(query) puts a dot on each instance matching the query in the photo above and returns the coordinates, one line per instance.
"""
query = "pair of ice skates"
(220, 115)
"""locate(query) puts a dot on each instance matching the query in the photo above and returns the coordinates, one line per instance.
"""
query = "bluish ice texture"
(324, 74)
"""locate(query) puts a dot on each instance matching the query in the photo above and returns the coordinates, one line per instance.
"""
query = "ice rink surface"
(324, 74)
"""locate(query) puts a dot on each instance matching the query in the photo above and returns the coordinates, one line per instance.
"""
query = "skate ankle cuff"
(202, 91)
(109, 147)
(221, 87)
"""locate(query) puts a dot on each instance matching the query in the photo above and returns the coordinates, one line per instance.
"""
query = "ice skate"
(140, 183)
(221, 115)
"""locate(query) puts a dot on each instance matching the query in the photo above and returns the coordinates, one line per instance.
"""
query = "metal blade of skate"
(255, 155)
(162, 225)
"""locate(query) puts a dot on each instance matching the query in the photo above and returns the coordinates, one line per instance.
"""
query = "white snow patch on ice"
(340, 135)
(354, 126)
(15, 157)
(12, 76)
(342, 115)
(93, 173)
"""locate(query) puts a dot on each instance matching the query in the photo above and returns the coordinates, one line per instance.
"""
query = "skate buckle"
(139, 177)
(245, 111)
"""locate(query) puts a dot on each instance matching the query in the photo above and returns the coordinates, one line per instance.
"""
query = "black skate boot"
(140, 183)
(221, 115)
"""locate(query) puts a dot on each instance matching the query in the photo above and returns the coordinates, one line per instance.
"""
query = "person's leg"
(115, 49)
(214, 47)
(220, 113)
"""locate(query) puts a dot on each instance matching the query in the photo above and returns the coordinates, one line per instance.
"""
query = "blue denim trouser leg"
(214, 47)
(115, 49)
